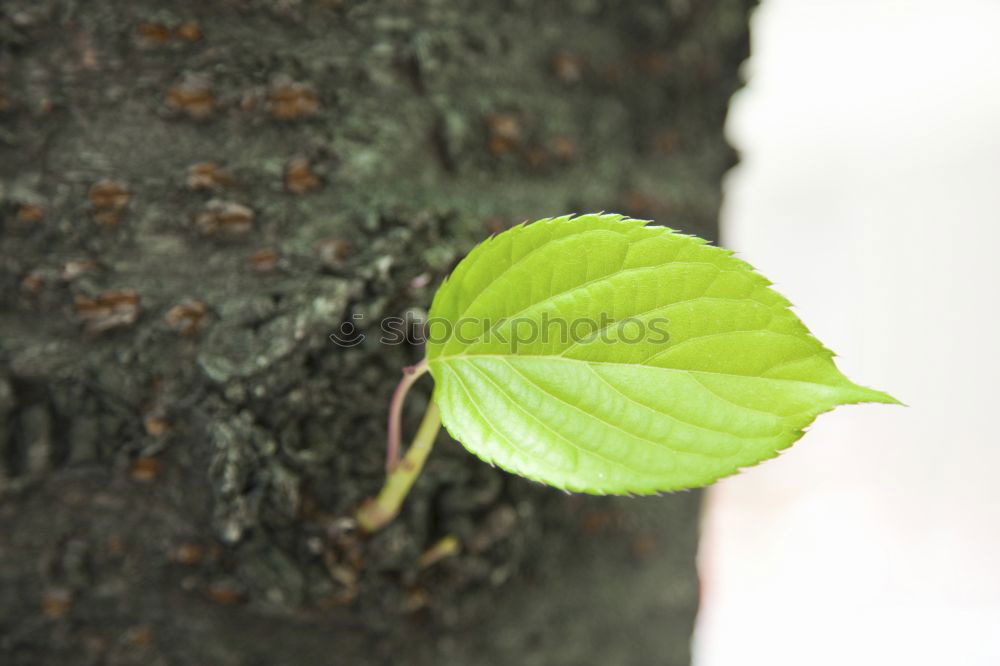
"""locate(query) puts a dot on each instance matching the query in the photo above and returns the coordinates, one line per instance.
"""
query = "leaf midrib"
(552, 357)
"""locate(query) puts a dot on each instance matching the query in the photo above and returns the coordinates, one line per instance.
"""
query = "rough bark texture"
(194, 195)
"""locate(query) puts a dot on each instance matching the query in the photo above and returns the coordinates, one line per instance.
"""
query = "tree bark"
(194, 195)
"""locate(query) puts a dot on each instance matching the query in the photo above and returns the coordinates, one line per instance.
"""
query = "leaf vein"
(669, 415)
(486, 420)
(604, 278)
(594, 417)
(725, 399)
(563, 437)
(513, 263)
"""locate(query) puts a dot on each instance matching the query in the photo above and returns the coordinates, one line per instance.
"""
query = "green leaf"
(736, 381)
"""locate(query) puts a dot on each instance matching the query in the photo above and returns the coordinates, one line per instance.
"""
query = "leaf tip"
(863, 394)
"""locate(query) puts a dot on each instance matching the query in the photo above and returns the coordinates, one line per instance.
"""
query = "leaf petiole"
(410, 375)
(376, 512)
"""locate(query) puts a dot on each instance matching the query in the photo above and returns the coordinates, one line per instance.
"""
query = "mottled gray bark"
(193, 196)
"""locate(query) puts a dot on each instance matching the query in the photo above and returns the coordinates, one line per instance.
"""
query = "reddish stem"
(410, 375)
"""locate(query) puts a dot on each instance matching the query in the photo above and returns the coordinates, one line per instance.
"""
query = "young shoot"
(601, 354)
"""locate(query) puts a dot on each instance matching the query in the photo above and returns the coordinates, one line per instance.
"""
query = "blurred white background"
(869, 192)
